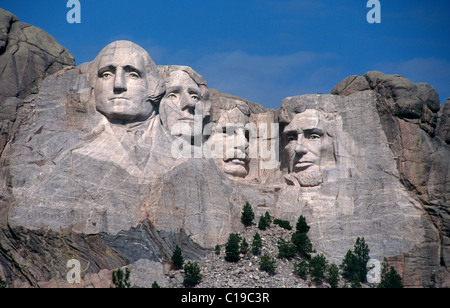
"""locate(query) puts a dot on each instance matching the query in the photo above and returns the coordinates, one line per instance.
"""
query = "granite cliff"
(117, 161)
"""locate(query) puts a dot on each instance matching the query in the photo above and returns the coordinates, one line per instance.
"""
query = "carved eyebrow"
(130, 68)
(315, 130)
(109, 68)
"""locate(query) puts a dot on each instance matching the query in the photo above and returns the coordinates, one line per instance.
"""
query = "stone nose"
(300, 149)
(120, 84)
(187, 104)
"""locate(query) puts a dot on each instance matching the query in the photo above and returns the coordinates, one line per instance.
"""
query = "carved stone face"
(306, 147)
(181, 100)
(234, 139)
(121, 88)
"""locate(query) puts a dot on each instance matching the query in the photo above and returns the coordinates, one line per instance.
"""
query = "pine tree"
(333, 275)
(286, 250)
(263, 224)
(318, 265)
(268, 264)
(192, 275)
(217, 250)
(302, 226)
(155, 285)
(354, 266)
(177, 258)
(244, 246)
(256, 245)
(390, 279)
(303, 244)
(247, 215)
(268, 218)
(120, 279)
(232, 248)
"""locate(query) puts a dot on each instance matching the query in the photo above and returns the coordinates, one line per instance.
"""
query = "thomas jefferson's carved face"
(179, 104)
(121, 89)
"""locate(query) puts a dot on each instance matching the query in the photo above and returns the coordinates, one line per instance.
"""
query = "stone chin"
(305, 179)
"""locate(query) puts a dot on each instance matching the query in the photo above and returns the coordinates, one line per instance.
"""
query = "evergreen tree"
(263, 224)
(244, 246)
(247, 215)
(302, 226)
(232, 248)
(303, 244)
(333, 275)
(177, 258)
(302, 269)
(268, 264)
(192, 275)
(268, 218)
(155, 285)
(256, 245)
(120, 279)
(354, 266)
(286, 250)
(318, 266)
(390, 279)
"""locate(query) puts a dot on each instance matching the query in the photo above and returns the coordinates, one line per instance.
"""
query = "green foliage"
(244, 246)
(283, 224)
(177, 258)
(192, 275)
(302, 227)
(268, 218)
(333, 275)
(256, 245)
(317, 268)
(303, 244)
(301, 269)
(155, 285)
(247, 215)
(268, 264)
(217, 250)
(120, 279)
(286, 250)
(263, 223)
(390, 279)
(354, 266)
(232, 248)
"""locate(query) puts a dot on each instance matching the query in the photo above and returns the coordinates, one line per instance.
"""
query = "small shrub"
(217, 250)
(192, 275)
(283, 224)
(268, 264)
(155, 285)
(247, 215)
(268, 218)
(177, 258)
(256, 245)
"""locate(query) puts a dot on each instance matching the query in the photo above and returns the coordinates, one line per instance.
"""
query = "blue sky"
(262, 50)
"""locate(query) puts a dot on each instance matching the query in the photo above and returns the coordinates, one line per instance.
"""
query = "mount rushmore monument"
(117, 161)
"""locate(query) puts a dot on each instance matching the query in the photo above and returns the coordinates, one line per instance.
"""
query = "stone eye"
(107, 75)
(134, 75)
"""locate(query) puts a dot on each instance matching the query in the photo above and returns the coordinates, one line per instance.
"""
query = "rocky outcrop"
(444, 125)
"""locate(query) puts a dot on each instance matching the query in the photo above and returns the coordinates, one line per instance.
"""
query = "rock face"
(117, 161)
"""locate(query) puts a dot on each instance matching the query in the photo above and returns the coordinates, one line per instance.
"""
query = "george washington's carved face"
(123, 83)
